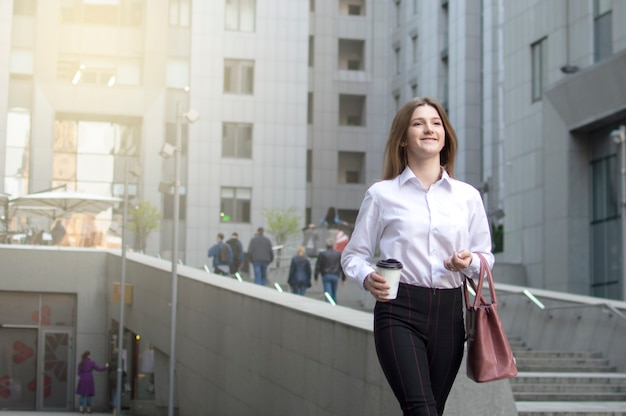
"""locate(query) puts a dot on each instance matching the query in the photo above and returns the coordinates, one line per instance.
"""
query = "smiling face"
(425, 136)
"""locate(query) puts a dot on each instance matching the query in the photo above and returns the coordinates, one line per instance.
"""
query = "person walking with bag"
(222, 256)
(434, 225)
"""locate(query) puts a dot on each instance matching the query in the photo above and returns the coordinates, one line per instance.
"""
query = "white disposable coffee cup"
(390, 269)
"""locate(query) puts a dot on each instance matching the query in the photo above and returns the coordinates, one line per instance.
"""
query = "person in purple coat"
(86, 386)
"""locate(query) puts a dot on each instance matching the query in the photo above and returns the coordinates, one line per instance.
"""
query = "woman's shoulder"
(383, 186)
(464, 189)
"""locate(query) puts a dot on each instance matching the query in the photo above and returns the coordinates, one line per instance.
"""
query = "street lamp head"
(618, 135)
(167, 150)
(136, 171)
(191, 116)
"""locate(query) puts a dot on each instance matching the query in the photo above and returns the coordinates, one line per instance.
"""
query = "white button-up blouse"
(400, 219)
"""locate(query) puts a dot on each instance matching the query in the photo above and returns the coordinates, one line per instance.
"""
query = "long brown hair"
(83, 360)
(395, 155)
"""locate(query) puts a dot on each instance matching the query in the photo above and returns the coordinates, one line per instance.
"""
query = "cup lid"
(389, 264)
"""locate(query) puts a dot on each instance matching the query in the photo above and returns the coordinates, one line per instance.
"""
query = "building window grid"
(235, 204)
(240, 15)
(539, 68)
(397, 60)
(602, 30)
(180, 13)
(124, 13)
(311, 51)
(398, 4)
(238, 77)
(351, 167)
(237, 140)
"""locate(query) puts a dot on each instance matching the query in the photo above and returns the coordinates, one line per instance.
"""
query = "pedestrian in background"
(329, 266)
(237, 249)
(261, 255)
(300, 272)
(86, 388)
(222, 256)
(433, 224)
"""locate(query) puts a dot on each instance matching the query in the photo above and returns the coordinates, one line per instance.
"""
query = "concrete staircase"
(552, 383)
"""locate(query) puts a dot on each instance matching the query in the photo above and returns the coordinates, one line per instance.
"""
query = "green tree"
(146, 219)
(282, 224)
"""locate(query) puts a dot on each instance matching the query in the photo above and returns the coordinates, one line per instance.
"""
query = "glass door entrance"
(55, 392)
(18, 368)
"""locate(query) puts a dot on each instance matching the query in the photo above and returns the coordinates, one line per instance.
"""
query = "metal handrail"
(540, 305)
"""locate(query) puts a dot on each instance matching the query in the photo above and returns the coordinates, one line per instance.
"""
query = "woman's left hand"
(458, 261)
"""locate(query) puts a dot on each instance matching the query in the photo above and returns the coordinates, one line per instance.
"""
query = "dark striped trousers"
(419, 340)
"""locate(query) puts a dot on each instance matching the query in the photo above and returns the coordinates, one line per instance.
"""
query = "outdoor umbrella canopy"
(56, 204)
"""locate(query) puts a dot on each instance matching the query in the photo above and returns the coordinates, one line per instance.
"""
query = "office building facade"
(294, 100)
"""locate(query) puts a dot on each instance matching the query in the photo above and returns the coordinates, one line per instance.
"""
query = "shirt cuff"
(364, 273)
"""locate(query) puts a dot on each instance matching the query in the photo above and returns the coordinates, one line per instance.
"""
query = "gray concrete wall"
(81, 272)
(246, 349)
(241, 349)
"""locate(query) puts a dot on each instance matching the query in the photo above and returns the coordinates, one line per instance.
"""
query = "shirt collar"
(408, 175)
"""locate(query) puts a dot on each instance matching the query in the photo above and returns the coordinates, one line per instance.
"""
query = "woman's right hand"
(377, 286)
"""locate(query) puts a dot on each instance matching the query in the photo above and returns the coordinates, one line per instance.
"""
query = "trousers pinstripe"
(419, 339)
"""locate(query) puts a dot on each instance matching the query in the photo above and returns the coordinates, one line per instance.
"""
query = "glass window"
(24, 7)
(238, 76)
(17, 157)
(398, 12)
(101, 13)
(235, 204)
(351, 110)
(21, 61)
(602, 30)
(19, 367)
(177, 73)
(132, 13)
(240, 15)
(311, 51)
(351, 167)
(19, 308)
(145, 371)
(352, 7)
(168, 206)
(397, 60)
(237, 140)
(414, 44)
(539, 68)
(309, 108)
(309, 166)
(58, 310)
(180, 13)
(351, 54)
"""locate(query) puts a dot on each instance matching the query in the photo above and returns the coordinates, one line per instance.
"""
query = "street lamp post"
(170, 406)
(619, 138)
(191, 116)
(120, 330)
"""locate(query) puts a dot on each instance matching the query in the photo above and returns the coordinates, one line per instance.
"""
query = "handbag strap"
(485, 270)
